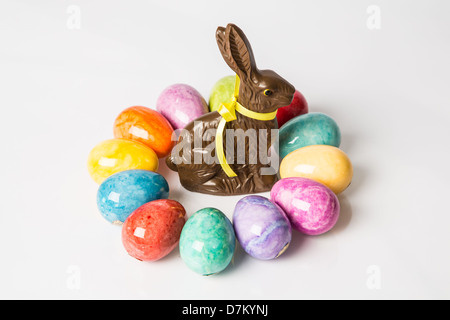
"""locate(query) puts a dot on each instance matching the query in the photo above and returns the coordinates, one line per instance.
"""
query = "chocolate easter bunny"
(259, 93)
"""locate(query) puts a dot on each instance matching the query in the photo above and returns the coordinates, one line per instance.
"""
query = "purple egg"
(180, 104)
(311, 207)
(261, 227)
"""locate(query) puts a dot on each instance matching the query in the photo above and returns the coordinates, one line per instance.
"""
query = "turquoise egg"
(306, 130)
(207, 241)
(122, 193)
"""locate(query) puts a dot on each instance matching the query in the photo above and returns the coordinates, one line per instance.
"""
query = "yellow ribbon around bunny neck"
(228, 113)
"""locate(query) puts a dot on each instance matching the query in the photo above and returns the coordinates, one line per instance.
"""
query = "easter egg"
(147, 126)
(122, 193)
(311, 207)
(306, 130)
(181, 104)
(153, 230)
(325, 164)
(115, 155)
(222, 92)
(297, 107)
(207, 241)
(261, 227)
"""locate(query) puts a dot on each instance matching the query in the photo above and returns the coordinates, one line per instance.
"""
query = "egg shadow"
(178, 194)
(171, 256)
(360, 175)
(347, 142)
(239, 258)
(167, 173)
(345, 215)
(298, 241)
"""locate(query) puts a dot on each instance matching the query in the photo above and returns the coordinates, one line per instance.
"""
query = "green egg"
(309, 129)
(207, 241)
(222, 92)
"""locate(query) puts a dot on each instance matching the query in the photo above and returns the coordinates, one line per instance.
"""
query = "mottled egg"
(311, 207)
(297, 107)
(181, 104)
(153, 230)
(222, 92)
(325, 164)
(122, 193)
(146, 126)
(261, 227)
(115, 155)
(306, 130)
(207, 241)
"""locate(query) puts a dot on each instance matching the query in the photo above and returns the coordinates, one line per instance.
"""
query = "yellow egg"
(325, 164)
(115, 155)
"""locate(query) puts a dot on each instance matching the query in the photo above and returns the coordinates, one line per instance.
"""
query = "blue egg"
(122, 193)
(307, 130)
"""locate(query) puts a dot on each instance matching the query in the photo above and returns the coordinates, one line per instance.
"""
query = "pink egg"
(181, 104)
(311, 207)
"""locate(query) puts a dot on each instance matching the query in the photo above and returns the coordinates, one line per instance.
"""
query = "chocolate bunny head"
(260, 90)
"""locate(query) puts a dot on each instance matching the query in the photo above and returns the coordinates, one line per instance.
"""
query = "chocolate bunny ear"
(236, 50)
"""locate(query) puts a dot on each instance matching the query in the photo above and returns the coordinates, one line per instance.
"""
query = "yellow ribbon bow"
(228, 113)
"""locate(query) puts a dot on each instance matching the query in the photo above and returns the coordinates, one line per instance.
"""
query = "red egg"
(153, 230)
(297, 107)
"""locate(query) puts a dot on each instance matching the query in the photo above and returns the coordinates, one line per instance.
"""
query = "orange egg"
(146, 126)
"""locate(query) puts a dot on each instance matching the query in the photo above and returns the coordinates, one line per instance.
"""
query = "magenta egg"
(181, 104)
(311, 207)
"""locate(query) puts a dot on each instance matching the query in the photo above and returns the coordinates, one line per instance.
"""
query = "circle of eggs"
(122, 193)
(207, 241)
(152, 231)
(311, 207)
(261, 227)
(313, 171)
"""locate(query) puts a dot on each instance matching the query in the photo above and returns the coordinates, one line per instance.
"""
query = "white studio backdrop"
(379, 68)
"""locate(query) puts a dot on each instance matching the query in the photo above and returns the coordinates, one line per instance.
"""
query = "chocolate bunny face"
(261, 90)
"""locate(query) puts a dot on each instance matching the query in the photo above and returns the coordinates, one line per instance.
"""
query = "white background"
(61, 88)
